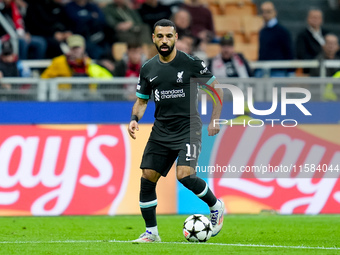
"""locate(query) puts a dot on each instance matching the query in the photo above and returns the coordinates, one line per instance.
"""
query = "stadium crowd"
(43, 28)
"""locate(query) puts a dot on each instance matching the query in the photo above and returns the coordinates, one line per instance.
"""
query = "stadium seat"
(215, 8)
(241, 8)
(239, 37)
(212, 49)
(252, 25)
(224, 24)
(250, 51)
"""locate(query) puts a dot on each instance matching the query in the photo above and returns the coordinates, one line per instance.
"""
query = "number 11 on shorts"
(190, 156)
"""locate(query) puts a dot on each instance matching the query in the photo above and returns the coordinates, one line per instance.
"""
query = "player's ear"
(153, 37)
(176, 37)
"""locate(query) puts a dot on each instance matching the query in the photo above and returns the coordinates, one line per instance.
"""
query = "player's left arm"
(214, 128)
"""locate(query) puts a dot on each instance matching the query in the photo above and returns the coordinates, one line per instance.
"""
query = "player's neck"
(168, 58)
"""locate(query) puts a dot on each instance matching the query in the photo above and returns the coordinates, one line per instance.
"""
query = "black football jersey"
(175, 90)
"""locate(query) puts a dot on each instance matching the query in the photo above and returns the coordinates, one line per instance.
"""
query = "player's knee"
(184, 171)
(150, 175)
(181, 175)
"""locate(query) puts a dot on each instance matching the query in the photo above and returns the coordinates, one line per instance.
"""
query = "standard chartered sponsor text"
(173, 93)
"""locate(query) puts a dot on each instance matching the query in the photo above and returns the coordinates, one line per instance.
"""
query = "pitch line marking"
(185, 243)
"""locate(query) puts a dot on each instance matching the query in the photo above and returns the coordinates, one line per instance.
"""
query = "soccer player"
(176, 133)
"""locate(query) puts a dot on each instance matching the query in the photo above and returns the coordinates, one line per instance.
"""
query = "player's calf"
(148, 204)
(200, 188)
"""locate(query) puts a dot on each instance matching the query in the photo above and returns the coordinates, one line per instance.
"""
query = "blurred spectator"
(132, 61)
(310, 41)
(185, 43)
(174, 5)
(101, 3)
(151, 11)
(334, 4)
(126, 22)
(47, 18)
(182, 20)
(329, 52)
(129, 66)
(108, 62)
(171, 2)
(22, 5)
(229, 63)
(75, 64)
(88, 20)
(136, 4)
(275, 41)
(188, 44)
(202, 25)
(183, 46)
(10, 66)
(30, 46)
(328, 93)
(196, 46)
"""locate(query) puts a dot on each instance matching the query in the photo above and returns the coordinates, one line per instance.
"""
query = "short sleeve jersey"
(175, 93)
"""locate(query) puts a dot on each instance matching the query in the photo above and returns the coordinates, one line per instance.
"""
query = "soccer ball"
(197, 228)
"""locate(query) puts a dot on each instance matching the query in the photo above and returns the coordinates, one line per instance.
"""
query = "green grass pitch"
(241, 234)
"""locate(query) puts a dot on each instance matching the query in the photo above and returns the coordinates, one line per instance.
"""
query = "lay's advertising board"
(94, 169)
(74, 170)
(287, 170)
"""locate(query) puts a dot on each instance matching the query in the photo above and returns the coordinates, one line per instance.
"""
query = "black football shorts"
(161, 156)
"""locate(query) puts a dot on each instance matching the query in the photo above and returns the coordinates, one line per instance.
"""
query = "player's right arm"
(143, 93)
(137, 113)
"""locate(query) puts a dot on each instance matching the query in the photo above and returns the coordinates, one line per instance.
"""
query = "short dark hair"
(6, 48)
(164, 23)
(133, 45)
(227, 40)
(313, 8)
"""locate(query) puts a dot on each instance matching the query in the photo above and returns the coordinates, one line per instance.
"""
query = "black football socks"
(200, 189)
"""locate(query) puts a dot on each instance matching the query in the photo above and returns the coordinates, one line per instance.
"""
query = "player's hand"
(213, 129)
(133, 127)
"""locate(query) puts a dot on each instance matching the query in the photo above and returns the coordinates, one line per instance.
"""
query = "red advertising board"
(65, 169)
(289, 170)
(85, 169)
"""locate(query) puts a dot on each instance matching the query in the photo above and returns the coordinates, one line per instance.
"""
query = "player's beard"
(167, 52)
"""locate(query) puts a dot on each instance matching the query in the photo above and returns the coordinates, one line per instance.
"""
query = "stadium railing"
(123, 88)
(23, 89)
(84, 88)
(89, 89)
(266, 65)
(13, 35)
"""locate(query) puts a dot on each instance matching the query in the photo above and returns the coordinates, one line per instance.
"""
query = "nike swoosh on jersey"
(151, 79)
(188, 159)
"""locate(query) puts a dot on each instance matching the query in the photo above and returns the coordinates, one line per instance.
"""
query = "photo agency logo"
(239, 105)
(206, 88)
